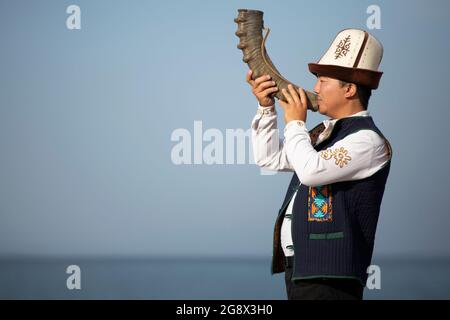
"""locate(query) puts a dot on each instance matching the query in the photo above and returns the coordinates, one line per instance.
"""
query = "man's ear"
(351, 91)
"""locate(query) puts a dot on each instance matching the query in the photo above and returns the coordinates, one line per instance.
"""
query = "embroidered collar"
(329, 123)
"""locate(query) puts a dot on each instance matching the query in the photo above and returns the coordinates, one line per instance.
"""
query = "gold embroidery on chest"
(340, 155)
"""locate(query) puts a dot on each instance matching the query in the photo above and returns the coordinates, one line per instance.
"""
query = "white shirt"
(359, 155)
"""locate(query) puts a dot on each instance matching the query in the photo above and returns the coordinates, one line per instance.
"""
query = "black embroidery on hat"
(342, 48)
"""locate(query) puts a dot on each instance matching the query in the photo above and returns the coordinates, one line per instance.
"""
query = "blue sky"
(86, 118)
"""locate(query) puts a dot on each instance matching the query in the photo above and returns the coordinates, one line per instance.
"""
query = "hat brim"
(364, 77)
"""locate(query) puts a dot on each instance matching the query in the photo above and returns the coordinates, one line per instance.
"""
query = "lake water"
(179, 278)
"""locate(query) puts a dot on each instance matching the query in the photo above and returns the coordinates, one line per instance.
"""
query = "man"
(325, 230)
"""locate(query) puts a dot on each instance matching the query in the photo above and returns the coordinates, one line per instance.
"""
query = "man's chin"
(320, 109)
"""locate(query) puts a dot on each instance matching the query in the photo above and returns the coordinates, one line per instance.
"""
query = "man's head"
(337, 98)
(347, 73)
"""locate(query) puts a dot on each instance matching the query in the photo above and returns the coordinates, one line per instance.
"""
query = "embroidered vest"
(333, 226)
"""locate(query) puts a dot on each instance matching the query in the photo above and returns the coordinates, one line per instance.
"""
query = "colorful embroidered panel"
(320, 204)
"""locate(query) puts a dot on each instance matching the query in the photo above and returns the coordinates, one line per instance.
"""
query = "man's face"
(331, 96)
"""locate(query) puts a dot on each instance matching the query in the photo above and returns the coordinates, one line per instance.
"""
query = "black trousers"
(322, 288)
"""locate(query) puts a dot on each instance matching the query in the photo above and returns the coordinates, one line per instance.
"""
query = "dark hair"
(363, 92)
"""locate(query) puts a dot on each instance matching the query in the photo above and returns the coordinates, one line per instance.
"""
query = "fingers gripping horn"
(252, 43)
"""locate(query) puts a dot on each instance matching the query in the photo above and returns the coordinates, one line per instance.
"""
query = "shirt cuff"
(270, 110)
(295, 126)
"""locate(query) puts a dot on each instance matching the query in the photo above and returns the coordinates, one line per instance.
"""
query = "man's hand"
(296, 106)
(262, 88)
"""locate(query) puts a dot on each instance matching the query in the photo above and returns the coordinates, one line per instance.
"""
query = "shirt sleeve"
(357, 156)
(269, 151)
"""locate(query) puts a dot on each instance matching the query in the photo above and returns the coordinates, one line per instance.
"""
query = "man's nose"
(317, 87)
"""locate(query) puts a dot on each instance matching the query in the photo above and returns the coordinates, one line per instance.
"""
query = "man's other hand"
(262, 88)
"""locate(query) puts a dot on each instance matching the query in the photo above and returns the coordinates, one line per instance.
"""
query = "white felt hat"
(354, 56)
